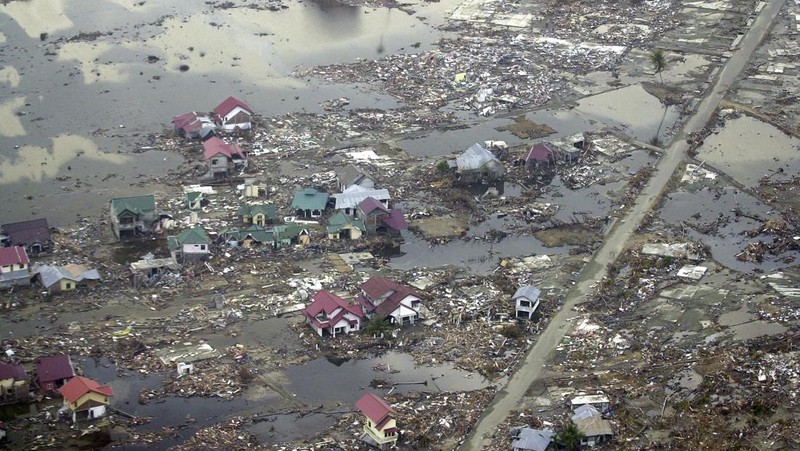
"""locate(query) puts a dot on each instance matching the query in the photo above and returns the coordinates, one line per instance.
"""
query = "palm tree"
(377, 326)
(570, 437)
(659, 62)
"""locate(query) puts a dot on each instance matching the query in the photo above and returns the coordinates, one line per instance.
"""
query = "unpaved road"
(532, 367)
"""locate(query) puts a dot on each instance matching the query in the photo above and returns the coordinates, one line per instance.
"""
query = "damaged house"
(33, 235)
(193, 125)
(58, 279)
(222, 159)
(348, 200)
(13, 383)
(477, 165)
(526, 301)
(233, 115)
(330, 315)
(350, 175)
(596, 430)
(390, 300)
(379, 219)
(53, 372)
(133, 216)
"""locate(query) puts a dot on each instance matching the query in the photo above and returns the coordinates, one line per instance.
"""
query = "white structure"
(348, 200)
(526, 300)
(185, 368)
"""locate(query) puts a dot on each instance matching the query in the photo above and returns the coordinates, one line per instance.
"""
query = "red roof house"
(14, 269)
(233, 114)
(380, 427)
(330, 315)
(222, 157)
(53, 372)
(193, 125)
(33, 235)
(85, 397)
(388, 299)
(380, 219)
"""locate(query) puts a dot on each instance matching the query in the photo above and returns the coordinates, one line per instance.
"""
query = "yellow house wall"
(97, 397)
(63, 284)
(369, 428)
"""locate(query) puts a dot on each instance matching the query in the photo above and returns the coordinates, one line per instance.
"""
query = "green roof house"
(248, 236)
(132, 216)
(190, 244)
(309, 203)
(342, 226)
(289, 234)
(194, 200)
(261, 214)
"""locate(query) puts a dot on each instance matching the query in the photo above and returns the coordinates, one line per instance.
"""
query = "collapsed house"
(477, 165)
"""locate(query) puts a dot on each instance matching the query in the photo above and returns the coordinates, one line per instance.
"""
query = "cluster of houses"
(481, 164)
(222, 159)
(359, 210)
(589, 417)
(18, 241)
(330, 315)
(83, 398)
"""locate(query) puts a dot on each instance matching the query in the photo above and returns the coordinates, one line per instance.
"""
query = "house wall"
(238, 117)
(13, 391)
(67, 285)
(91, 396)
(260, 219)
(378, 434)
(195, 250)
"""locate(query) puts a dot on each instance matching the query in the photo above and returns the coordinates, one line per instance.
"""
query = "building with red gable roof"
(330, 315)
(233, 114)
(380, 425)
(85, 398)
(388, 299)
(14, 267)
(222, 158)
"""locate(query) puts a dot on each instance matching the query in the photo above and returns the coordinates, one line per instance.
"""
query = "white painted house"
(330, 315)
(233, 114)
(390, 300)
(190, 244)
(526, 301)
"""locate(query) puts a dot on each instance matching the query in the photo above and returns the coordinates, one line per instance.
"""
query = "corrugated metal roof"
(352, 196)
(527, 291)
(474, 158)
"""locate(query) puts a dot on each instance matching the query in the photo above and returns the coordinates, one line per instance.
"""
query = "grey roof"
(351, 175)
(533, 439)
(527, 291)
(353, 195)
(591, 422)
(50, 275)
(474, 158)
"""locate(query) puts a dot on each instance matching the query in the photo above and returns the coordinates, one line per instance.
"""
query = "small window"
(69, 286)
(202, 247)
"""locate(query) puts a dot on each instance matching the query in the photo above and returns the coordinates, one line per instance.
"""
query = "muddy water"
(745, 326)
(704, 207)
(747, 149)
(102, 92)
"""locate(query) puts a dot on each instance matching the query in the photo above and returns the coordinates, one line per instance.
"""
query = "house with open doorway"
(222, 159)
(258, 214)
(284, 235)
(380, 421)
(133, 216)
(251, 236)
(390, 300)
(233, 115)
(309, 203)
(541, 158)
(344, 227)
(477, 165)
(33, 235)
(191, 244)
(59, 279)
(13, 383)
(14, 267)
(526, 301)
(379, 219)
(53, 372)
(85, 399)
(329, 315)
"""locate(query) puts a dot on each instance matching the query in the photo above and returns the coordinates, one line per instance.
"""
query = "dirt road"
(533, 366)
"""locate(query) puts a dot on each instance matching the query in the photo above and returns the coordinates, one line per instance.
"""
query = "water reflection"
(10, 124)
(38, 16)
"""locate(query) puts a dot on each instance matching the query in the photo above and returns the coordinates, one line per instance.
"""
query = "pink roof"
(377, 286)
(375, 409)
(13, 255)
(396, 220)
(371, 204)
(79, 386)
(214, 146)
(540, 152)
(327, 303)
(229, 104)
(180, 121)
